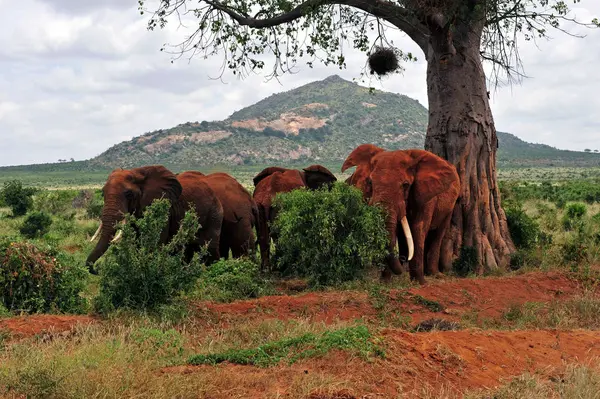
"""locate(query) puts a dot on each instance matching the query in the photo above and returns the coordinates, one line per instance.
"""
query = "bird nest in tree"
(383, 60)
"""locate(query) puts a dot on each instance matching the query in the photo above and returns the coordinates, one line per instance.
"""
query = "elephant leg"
(211, 236)
(434, 246)
(224, 246)
(242, 240)
(264, 240)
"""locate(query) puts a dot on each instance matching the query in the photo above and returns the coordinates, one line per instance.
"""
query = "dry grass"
(124, 359)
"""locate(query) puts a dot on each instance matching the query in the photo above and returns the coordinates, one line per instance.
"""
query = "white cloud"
(81, 75)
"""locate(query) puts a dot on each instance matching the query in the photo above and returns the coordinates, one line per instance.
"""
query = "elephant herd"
(417, 189)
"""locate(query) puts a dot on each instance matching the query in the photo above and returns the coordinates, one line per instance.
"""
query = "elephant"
(360, 158)
(273, 180)
(418, 190)
(240, 214)
(132, 190)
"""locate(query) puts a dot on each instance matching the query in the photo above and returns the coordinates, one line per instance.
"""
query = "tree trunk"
(461, 129)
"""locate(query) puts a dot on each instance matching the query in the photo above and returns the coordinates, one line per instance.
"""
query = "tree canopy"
(244, 31)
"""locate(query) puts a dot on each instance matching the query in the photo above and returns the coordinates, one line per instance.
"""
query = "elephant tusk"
(118, 236)
(96, 233)
(409, 239)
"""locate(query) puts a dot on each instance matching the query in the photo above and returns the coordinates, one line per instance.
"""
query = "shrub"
(35, 279)
(231, 279)
(36, 225)
(94, 206)
(17, 198)
(328, 236)
(141, 273)
(573, 216)
(466, 263)
(56, 202)
(525, 231)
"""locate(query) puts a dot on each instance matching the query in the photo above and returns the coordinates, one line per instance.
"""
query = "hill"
(319, 122)
(322, 120)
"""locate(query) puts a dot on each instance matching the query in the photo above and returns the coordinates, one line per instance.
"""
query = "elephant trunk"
(393, 263)
(110, 216)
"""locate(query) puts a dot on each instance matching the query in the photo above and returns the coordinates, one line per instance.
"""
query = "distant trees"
(588, 150)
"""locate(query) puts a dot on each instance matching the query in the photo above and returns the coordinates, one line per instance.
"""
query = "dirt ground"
(455, 360)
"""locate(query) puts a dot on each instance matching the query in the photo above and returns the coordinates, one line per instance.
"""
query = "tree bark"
(461, 129)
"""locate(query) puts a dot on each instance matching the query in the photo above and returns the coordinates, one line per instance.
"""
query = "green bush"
(35, 279)
(525, 231)
(93, 208)
(141, 273)
(231, 279)
(466, 263)
(328, 236)
(36, 224)
(56, 202)
(17, 198)
(573, 216)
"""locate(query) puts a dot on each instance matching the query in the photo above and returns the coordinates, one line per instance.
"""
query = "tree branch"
(394, 14)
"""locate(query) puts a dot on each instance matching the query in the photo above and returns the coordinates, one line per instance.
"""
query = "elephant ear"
(156, 182)
(433, 175)
(316, 175)
(267, 172)
(361, 155)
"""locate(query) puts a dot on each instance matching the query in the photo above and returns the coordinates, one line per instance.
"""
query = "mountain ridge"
(321, 121)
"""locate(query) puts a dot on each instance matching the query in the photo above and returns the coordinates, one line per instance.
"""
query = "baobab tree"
(456, 37)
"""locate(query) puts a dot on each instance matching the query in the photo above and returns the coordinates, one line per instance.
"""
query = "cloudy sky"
(81, 75)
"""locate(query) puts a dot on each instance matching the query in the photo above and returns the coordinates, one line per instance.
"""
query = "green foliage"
(141, 273)
(94, 206)
(17, 197)
(433, 306)
(328, 236)
(36, 224)
(466, 263)
(573, 216)
(355, 339)
(55, 202)
(231, 279)
(525, 231)
(35, 278)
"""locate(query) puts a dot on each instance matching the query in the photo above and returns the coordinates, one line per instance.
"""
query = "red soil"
(489, 297)
(455, 361)
(27, 326)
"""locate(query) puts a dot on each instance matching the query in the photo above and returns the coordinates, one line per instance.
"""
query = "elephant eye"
(406, 185)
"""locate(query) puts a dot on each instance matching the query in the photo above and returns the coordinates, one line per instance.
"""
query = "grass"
(433, 306)
(122, 356)
(355, 339)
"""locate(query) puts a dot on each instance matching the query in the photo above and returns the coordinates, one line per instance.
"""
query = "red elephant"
(132, 190)
(273, 180)
(419, 190)
(240, 213)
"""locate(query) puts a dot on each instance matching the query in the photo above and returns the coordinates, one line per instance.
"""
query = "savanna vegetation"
(148, 310)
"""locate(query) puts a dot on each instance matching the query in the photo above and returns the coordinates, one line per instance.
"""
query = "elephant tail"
(255, 215)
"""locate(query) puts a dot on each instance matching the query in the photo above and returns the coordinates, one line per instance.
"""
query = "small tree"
(17, 197)
(36, 225)
(328, 236)
(140, 272)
